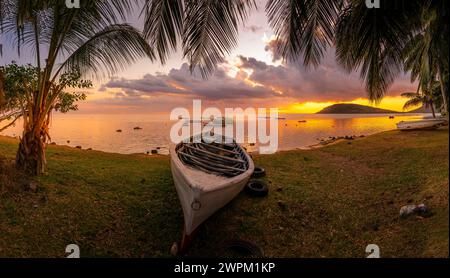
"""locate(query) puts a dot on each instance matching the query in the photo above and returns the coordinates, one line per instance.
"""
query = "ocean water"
(99, 132)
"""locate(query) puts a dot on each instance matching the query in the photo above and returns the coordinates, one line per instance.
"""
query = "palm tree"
(423, 96)
(369, 40)
(89, 40)
(426, 54)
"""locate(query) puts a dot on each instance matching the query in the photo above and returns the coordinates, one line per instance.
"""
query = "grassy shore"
(328, 202)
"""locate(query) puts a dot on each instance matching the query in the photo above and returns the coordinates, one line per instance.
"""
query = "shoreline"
(323, 143)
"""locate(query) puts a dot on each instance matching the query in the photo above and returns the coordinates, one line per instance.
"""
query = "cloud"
(181, 82)
(253, 81)
(327, 81)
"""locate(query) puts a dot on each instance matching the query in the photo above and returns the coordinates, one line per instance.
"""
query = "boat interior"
(223, 159)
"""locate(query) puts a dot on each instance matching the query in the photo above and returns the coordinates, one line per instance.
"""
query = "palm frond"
(109, 51)
(163, 25)
(210, 30)
(412, 103)
(371, 40)
(304, 27)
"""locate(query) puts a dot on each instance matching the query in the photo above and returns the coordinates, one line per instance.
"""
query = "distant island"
(348, 108)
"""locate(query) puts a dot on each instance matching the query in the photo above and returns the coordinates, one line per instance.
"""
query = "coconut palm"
(89, 40)
(92, 41)
(369, 40)
(426, 54)
(424, 96)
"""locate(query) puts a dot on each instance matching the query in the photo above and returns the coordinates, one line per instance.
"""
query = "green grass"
(329, 202)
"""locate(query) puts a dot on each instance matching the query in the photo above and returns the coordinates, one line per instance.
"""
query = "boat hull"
(201, 194)
(422, 124)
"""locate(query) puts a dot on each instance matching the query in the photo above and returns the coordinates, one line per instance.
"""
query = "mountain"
(347, 108)
(421, 110)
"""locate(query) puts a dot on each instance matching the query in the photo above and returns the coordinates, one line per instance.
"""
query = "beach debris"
(90, 149)
(119, 130)
(137, 128)
(154, 151)
(68, 141)
(252, 144)
(391, 117)
(257, 188)
(303, 121)
(78, 147)
(259, 172)
(421, 210)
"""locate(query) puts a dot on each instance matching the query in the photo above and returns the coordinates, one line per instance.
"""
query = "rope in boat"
(227, 160)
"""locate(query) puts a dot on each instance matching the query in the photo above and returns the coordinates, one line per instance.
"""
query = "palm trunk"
(444, 95)
(432, 110)
(31, 154)
(2, 93)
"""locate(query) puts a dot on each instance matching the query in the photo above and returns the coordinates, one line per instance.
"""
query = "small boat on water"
(422, 124)
(207, 176)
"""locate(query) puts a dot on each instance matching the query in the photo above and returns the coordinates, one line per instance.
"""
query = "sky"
(251, 76)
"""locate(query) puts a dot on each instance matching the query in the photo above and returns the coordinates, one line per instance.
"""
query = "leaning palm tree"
(423, 96)
(89, 40)
(426, 54)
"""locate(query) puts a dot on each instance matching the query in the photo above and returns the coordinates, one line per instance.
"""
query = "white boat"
(421, 124)
(207, 176)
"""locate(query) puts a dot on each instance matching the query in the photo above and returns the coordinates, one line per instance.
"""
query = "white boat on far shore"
(422, 124)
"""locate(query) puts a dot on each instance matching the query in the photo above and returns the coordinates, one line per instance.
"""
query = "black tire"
(257, 188)
(244, 248)
(259, 172)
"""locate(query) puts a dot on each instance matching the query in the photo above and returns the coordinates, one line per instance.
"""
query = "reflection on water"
(99, 132)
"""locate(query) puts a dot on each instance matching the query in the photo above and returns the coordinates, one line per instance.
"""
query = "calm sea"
(99, 132)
